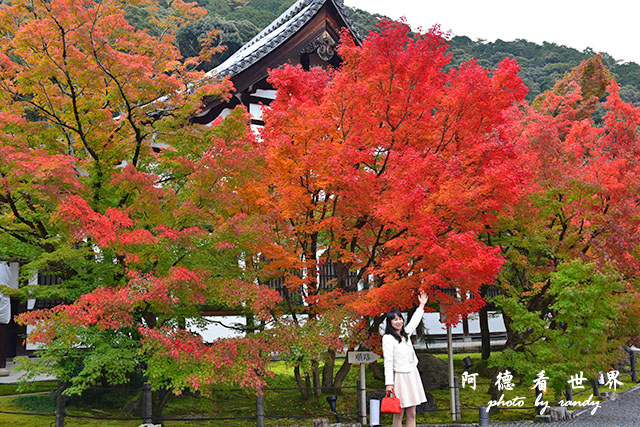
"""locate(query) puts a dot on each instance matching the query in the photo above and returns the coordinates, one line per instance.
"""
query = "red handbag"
(390, 404)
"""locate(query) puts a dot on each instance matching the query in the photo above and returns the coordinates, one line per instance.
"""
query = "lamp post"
(444, 308)
(467, 363)
(331, 400)
(452, 391)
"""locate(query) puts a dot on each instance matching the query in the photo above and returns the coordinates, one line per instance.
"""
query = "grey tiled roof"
(274, 35)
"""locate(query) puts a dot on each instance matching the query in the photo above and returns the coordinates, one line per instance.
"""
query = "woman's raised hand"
(423, 298)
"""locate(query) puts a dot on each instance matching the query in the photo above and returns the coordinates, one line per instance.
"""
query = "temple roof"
(276, 33)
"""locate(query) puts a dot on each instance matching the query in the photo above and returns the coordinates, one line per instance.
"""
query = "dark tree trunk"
(315, 366)
(18, 332)
(341, 375)
(251, 324)
(494, 393)
(327, 371)
(4, 344)
(301, 386)
(307, 383)
(331, 383)
(485, 334)
(159, 399)
(377, 373)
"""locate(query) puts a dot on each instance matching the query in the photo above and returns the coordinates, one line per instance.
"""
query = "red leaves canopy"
(141, 238)
(391, 166)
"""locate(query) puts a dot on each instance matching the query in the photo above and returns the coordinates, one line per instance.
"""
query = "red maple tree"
(571, 244)
(107, 185)
(386, 170)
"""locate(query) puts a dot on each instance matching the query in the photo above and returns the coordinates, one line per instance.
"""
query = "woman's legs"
(397, 419)
(411, 416)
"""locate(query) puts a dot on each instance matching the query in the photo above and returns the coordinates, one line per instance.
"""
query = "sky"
(611, 26)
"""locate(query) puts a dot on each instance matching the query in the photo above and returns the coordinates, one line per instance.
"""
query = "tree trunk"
(135, 406)
(315, 366)
(375, 369)
(327, 371)
(159, 399)
(4, 345)
(331, 384)
(150, 318)
(301, 386)
(341, 375)
(513, 337)
(307, 383)
(485, 333)
(494, 393)
(251, 324)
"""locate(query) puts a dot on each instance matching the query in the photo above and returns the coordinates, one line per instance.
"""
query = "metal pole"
(60, 409)
(452, 390)
(147, 403)
(363, 395)
(456, 384)
(484, 417)
(596, 385)
(260, 408)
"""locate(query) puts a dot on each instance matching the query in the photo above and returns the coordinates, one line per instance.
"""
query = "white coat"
(400, 356)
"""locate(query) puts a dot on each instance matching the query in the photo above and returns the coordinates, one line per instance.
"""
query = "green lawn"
(10, 389)
(280, 403)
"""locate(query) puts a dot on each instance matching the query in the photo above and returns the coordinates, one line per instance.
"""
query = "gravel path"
(622, 412)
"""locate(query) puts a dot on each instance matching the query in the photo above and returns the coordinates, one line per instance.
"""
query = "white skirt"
(408, 388)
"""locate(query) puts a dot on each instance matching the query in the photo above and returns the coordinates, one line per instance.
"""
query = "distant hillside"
(239, 20)
(259, 12)
(541, 65)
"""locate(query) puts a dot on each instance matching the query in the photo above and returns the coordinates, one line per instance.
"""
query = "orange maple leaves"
(390, 166)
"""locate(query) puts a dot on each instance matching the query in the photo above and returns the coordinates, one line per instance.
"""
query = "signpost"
(362, 357)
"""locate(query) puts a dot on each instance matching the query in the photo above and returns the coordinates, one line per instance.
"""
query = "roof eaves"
(269, 38)
(277, 33)
(344, 14)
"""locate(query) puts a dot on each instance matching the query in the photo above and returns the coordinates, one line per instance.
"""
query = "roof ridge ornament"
(323, 45)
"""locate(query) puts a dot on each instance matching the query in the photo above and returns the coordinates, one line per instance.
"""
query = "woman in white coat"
(401, 374)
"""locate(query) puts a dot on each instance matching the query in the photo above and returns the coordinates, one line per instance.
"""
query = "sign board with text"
(362, 357)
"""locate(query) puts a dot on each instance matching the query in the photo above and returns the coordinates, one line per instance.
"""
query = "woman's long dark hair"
(389, 329)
